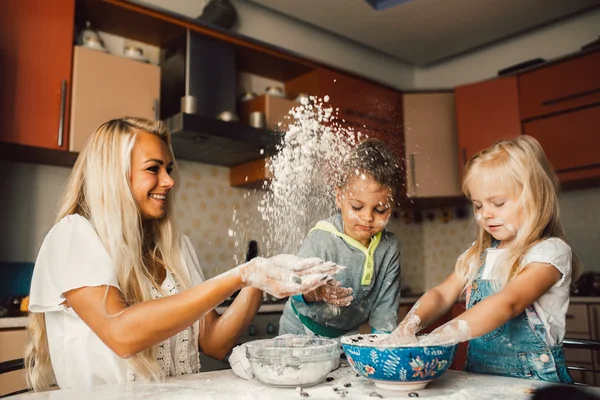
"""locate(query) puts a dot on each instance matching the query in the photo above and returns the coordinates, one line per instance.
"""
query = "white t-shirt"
(552, 306)
(72, 256)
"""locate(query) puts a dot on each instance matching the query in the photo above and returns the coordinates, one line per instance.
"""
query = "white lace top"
(72, 256)
(177, 355)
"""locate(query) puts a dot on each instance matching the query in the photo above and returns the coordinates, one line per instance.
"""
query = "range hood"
(212, 141)
(205, 68)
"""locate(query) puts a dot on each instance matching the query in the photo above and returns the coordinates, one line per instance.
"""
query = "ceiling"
(424, 32)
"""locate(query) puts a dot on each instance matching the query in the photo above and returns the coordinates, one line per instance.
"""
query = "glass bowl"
(404, 368)
(292, 361)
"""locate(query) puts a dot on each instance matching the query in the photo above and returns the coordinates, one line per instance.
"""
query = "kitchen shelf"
(38, 155)
(158, 26)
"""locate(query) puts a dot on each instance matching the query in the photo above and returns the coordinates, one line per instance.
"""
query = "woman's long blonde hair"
(520, 166)
(99, 189)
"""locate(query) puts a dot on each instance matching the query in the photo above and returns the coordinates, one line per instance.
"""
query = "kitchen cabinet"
(571, 84)
(560, 107)
(252, 173)
(430, 145)
(274, 108)
(485, 113)
(571, 142)
(107, 86)
(36, 42)
(12, 346)
(368, 108)
(579, 327)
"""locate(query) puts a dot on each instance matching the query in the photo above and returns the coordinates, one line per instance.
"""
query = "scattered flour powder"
(305, 170)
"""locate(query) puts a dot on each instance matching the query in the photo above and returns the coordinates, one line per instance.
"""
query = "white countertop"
(453, 385)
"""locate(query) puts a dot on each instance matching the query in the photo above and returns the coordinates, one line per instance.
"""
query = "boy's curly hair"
(374, 158)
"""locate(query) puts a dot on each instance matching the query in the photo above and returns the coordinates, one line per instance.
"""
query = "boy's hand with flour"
(332, 293)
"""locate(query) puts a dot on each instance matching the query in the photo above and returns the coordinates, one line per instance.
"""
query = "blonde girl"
(117, 292)
(516, 274)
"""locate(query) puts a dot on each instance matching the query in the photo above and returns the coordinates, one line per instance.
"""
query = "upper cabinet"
(569, 85)
(558, 104)
(107, 86)
(369, 108)
(36, 43)
(431, 145)
(560, 107)
(486, 112)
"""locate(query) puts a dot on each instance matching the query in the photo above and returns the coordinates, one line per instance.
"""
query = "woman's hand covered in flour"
(331, 293)
(286, 274)
(453, 332)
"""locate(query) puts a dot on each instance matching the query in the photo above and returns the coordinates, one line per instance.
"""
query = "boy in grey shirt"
(369, 288)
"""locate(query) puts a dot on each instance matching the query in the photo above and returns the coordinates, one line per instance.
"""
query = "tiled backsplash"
(430, 249)
(205, 213)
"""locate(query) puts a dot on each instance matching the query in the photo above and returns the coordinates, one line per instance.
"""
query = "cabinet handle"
(413, 172)
(572, 96)
(464, 156)
(61, 113)
(156, 107)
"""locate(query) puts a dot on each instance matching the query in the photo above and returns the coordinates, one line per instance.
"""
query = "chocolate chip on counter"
(347, 384)
(329, 379)
(357, 375)
(375, 394)
(335, 389)
(413, 394)
(304, 394)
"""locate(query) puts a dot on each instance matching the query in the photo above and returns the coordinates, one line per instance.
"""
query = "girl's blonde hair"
(99, 189)
(520, 166)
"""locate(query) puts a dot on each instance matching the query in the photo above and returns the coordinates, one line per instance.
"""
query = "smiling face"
(151, 181)
(366, 207)
(496, 209)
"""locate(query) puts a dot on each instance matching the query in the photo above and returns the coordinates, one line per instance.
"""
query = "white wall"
(549, 42)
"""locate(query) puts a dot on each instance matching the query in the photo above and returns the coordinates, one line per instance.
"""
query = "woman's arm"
(221, 333)
(496, 310)
(128, 330)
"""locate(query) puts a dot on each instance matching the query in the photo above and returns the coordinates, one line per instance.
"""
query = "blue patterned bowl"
(397, 368)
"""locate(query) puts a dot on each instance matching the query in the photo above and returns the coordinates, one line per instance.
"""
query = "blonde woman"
(516, 274)
(117, 293)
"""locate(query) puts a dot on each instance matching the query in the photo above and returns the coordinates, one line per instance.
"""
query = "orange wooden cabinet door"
(36, 41)
(368, 108)
(486, 112)
(571, 142)
(571, 84)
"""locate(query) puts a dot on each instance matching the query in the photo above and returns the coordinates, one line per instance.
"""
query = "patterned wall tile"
(205, 208)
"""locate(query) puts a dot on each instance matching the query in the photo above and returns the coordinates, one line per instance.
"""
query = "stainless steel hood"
(205, 69)
(212, 141)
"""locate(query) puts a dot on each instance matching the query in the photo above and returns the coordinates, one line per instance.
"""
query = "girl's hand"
(331, 293)
(404, 334)
(286, 274)
(450, 333)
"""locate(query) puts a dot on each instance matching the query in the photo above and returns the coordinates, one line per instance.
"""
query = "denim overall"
(516, 349)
